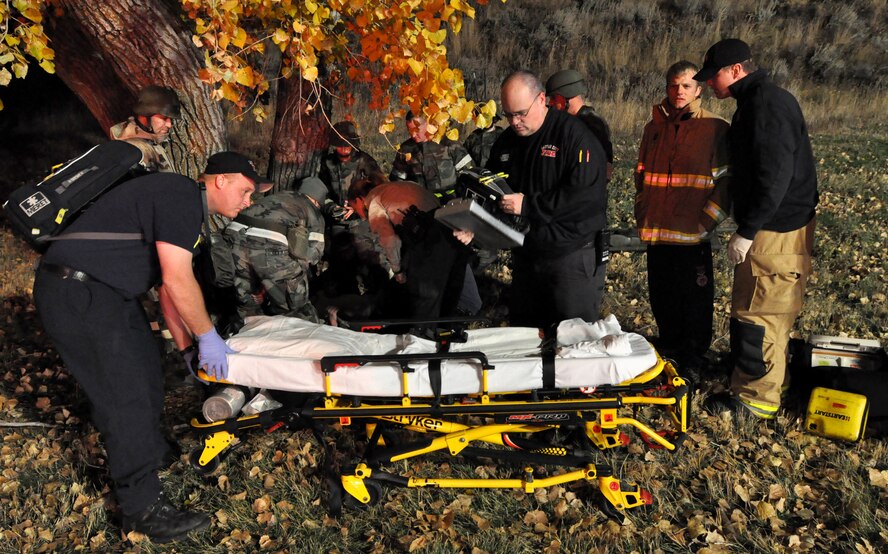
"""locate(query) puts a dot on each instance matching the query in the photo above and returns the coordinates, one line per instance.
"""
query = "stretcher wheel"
(210, 467)
(374, 489)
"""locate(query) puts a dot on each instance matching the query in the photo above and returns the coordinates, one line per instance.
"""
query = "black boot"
(162, 523)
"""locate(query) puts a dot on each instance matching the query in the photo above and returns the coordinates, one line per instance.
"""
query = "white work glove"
(737, 248)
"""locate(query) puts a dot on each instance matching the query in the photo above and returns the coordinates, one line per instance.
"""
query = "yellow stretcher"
(543, 426)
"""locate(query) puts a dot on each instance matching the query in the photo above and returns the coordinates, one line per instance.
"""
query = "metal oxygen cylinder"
(226, 403)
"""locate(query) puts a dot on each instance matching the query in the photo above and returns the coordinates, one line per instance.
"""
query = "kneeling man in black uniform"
(141, 233)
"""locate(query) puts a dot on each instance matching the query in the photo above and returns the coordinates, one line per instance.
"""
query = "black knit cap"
(722, 54)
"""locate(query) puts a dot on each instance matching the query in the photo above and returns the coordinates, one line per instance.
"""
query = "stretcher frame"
(597, 416)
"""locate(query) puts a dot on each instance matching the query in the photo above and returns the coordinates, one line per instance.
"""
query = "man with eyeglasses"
(774, 193)
(149, 126)
(558, 171)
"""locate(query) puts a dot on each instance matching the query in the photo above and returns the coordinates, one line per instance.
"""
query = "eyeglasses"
(519, 115)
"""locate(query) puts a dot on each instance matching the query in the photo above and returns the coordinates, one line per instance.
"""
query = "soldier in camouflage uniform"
(566, 91)
(352, 255)
(430, 164)
(150, 123)
(274, 242)
(479, 141)
(346, 163)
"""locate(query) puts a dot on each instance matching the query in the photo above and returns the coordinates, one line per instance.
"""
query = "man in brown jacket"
(422, 255)
(681, 195)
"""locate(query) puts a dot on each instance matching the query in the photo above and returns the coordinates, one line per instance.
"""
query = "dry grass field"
(732, 487)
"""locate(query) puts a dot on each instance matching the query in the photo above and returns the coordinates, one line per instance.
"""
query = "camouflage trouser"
(269, 281)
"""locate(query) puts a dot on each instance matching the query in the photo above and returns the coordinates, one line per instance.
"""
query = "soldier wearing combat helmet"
(274, 242)
(566, 91)
(346, 163)
(149, 126)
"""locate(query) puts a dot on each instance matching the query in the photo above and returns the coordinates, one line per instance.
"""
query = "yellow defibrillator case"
(837, 414)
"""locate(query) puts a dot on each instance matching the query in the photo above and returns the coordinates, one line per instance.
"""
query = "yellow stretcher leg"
(206, 459)
(366, 490)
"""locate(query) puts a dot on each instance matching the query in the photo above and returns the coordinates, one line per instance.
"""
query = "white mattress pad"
(283, 353)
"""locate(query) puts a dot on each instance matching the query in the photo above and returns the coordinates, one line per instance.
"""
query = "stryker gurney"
(498, 387)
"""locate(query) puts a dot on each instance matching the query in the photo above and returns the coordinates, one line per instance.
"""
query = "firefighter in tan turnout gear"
(774, 191)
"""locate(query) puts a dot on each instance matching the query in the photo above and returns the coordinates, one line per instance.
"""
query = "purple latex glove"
(213, 354)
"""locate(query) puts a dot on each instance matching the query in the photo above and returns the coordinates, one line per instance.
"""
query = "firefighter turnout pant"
(767, 297)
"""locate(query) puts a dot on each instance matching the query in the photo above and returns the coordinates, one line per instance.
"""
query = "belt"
(66, 272)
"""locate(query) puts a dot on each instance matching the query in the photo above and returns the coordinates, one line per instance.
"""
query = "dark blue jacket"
(561, 169)
(774, 184)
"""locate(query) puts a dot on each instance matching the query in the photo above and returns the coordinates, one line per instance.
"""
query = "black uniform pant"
(546, 291)
(682, 290)
(107, 345)
(435, 266)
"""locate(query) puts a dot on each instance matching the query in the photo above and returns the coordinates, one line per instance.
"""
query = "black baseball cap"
(232, 162)
(721, 54)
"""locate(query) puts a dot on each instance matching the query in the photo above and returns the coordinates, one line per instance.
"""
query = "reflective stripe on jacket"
(681, 180)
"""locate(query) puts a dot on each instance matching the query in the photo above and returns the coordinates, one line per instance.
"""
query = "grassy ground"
(766, 487)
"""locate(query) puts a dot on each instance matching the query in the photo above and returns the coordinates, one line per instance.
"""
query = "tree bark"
(300, 138)
(109, 50)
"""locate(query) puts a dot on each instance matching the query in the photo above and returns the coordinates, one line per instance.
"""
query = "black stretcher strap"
(548, 355)
(435, 382)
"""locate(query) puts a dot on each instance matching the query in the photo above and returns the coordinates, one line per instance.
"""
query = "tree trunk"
(299, 139)
(109, 50)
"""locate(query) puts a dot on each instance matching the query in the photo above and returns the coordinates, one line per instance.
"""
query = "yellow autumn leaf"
(452, 134)
(416, 66)
(310, 6)
(387, 126)
(229, 6)
(280, 36)
(47, 66)
(489, 109)
(33, 14)
(5, 77)
(310, 74)
(462, 111)
(12, 41)
(229, 92)
(437, 37)
(245, 76)
(464, 7)
(239, 38)
(20, 70)
(482, 121)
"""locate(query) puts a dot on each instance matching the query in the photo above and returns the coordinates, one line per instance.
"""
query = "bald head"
(524, 102)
